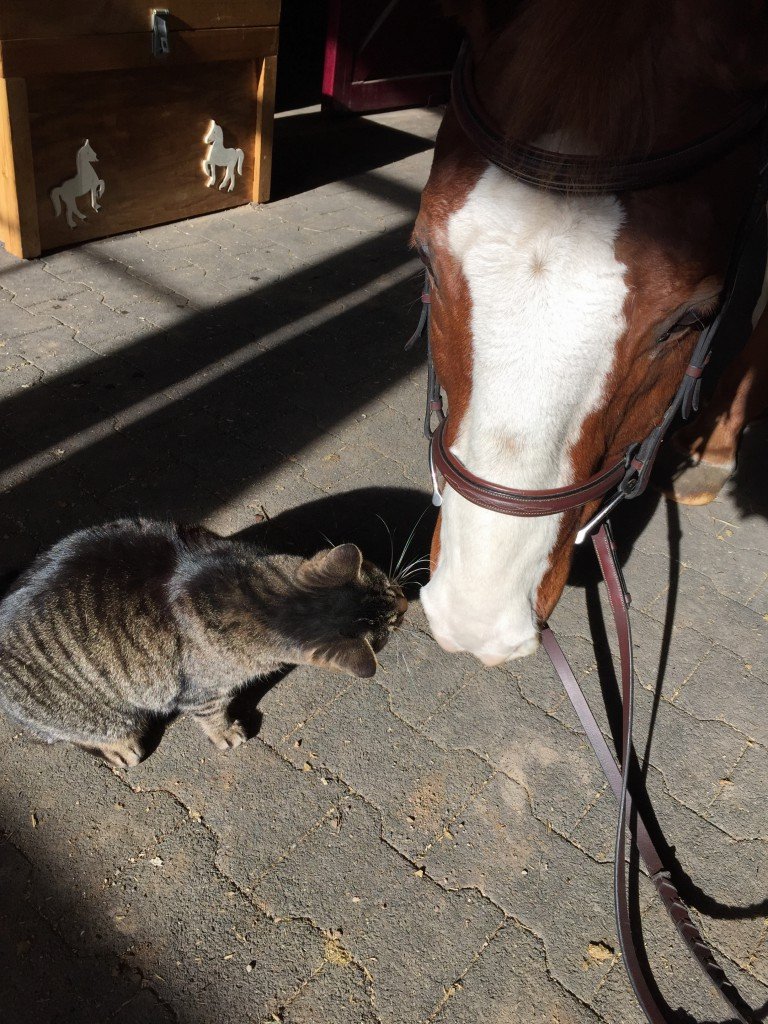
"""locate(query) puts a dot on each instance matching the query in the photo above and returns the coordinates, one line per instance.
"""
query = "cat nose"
(401, 604)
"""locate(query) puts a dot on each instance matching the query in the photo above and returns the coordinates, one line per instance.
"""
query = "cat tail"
(56, 200)
(240, 158)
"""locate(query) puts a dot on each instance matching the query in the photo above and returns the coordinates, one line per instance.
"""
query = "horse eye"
(423, 253)
(693, 318)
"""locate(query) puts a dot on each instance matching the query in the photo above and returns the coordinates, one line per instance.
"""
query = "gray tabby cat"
(119, 625)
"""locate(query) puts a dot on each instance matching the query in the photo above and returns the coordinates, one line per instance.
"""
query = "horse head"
(86, 154)
(214, 134)
(563, 323)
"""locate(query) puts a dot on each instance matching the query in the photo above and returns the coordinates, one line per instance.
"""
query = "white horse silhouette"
(86, 180)
(219, 156)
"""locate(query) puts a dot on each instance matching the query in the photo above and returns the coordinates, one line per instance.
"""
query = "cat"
(118, 626)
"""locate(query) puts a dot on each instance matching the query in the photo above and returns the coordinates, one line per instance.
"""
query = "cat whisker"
(424, 560)
(414, 572)
(411, 535)
(411, 569)
(391, 544)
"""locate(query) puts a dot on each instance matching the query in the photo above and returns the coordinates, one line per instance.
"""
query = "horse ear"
(480, 19)
(87, 142)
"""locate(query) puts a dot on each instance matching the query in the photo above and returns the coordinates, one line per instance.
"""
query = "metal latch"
(160, 45)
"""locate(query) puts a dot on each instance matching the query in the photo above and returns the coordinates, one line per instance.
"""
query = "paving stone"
(540, 880)
(74, 988)
(555, 766)
(722, 522)
(116, 283)
(256, 804)
(155, 902)
(693, 756)
(17, 375)
(417, 786)
(328, 463)
(419, 677)
(229, 236)
(287, 708)
(539, 684)
(412, 937)
(679, 657)
(103, 329)
(52, 350)
(671, 966)
(130, 248)
(143, 1008)
(31, 284)
(508, 984)
(16, 321)
(338, 994)
(719, 876)
(53, 504)
(741, 806)
(725, 688)
(758, 962)
(717, 550)
(759, 599)
(736, 627)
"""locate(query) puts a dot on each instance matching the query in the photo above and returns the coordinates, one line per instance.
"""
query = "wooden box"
(93, 116)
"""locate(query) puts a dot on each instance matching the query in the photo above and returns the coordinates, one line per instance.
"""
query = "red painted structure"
(384, 54)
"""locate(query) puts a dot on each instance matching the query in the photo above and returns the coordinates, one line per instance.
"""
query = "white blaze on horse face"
(547, 295)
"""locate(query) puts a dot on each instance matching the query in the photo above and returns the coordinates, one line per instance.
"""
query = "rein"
(625, 479)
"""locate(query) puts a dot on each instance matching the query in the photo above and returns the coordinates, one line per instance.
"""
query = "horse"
(219, 156)
(562, 323)
(593, 233)
(85, 180)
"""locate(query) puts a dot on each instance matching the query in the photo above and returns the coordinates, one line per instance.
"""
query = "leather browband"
(513, 502)
(583, 175)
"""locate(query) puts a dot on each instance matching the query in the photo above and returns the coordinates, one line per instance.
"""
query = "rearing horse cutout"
(220, 156)
(86, 180)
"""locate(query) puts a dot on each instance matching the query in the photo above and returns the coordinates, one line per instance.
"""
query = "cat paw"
(230, 738)
(125, 754)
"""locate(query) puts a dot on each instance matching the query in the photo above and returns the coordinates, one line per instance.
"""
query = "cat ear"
(333, 567)
(347, 654)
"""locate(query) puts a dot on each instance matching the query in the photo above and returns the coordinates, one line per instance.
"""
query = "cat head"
(361, 606)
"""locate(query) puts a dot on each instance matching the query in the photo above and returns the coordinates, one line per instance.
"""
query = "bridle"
(628, 477)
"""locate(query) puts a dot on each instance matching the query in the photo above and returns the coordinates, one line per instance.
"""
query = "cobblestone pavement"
(433, 844)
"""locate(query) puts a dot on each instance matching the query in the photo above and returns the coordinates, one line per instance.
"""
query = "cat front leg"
(215, 721)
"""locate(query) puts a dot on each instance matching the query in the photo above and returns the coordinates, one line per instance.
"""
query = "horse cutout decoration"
(220, 156)
(594, 235)
(86, 180)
